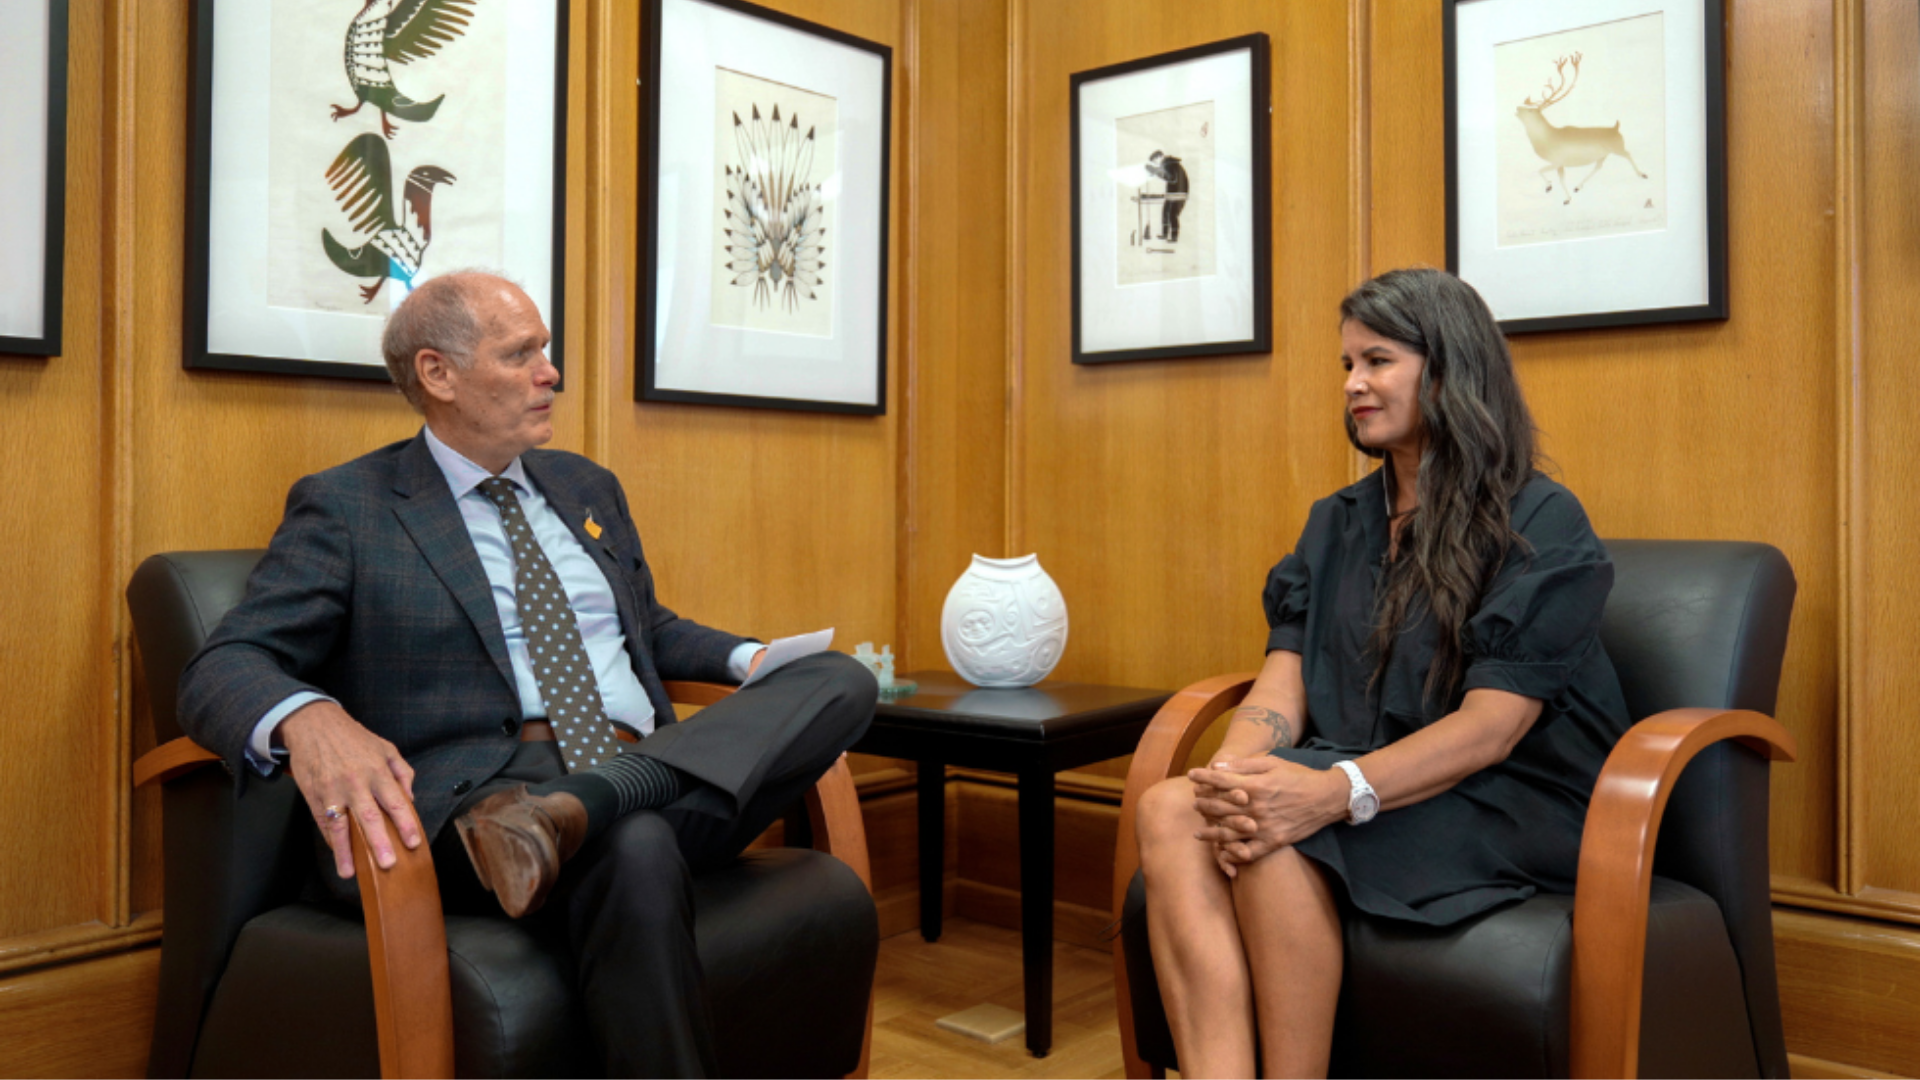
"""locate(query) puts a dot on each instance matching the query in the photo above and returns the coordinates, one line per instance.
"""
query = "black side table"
(1032, 733)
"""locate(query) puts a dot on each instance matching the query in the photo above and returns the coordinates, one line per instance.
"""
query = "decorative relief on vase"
(1005, 623)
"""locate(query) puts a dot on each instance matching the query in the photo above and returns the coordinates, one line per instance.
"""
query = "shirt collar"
(463, 475)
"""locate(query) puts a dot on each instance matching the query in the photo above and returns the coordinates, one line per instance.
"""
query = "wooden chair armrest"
(170, 759)
(697, 693)
(406, 936)
(833, 809)
(1616, 872)
(407, 945)
(1163, 751)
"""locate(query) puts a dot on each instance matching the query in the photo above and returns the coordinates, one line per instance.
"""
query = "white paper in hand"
(786, 650)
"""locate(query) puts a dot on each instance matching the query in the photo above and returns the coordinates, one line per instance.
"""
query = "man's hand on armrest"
(340, 764)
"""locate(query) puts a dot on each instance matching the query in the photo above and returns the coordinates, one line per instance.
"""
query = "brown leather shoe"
(518, 841)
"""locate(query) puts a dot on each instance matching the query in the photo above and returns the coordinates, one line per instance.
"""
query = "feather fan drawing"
(775, 217)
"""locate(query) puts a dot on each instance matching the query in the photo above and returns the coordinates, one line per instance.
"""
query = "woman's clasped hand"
(1253, 806)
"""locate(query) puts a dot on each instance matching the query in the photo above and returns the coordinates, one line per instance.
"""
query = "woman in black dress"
(1434, 656)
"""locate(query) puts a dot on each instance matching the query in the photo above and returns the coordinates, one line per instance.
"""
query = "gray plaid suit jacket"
(371, 592)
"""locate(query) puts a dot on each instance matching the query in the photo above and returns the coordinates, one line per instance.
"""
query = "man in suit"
(452, 628)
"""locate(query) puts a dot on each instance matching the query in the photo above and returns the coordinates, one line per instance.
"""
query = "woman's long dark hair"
(1480, 450)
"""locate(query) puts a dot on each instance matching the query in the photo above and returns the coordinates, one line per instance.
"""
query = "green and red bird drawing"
(388, 32)
(397, 235)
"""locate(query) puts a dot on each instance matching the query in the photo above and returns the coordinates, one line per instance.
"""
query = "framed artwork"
(763, 211)
(1171, 205)
(341, 159)
(33, 186)
(1587, 160)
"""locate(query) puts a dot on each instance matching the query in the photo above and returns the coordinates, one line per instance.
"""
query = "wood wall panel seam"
(1359, 167)
(1848, 80)
(1018, 134)
(119, 326)
(591, 344)
(907, 384)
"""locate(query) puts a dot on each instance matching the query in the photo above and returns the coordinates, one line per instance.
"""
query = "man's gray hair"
(439, 316)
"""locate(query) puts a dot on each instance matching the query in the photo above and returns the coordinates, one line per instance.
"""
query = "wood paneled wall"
(769, 523)
(1157, 494)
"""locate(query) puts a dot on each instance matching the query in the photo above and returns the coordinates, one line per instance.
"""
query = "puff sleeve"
(1541, 617)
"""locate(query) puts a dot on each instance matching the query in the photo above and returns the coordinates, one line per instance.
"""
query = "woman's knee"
(1166, 815)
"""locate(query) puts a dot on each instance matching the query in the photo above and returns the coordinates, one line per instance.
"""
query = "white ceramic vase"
(1005, 623)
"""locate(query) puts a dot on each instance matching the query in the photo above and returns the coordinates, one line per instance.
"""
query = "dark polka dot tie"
(554, 649)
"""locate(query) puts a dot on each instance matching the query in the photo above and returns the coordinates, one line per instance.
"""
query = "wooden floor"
(974, 963)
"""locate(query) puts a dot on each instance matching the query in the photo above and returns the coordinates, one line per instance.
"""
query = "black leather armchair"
(254, 955)
(1655, 967)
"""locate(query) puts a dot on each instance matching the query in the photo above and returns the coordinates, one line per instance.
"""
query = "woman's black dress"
(1506, 831)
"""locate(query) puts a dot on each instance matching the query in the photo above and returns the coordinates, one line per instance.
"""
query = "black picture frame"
(196, 311)
(1260, 167)
(53, 261)
(1713, 248)
(651, 383)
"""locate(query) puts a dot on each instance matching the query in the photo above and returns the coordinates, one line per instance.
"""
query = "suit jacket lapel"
(427, 511)
(563, 498)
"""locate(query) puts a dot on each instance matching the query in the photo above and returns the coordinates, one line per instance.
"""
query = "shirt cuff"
(1290, 636)
(259, 752)
(1543, 681)
(742, 659)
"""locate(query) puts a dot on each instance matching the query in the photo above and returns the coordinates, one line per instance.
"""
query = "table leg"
(1036, 906)
(932, 786)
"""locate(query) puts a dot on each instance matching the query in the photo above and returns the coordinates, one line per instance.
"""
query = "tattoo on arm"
(1259, 714)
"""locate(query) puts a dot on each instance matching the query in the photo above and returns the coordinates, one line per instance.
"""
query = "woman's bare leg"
(1290, 929)
(1197, 953)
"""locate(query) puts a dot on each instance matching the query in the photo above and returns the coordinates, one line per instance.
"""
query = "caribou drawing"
(1567, 146)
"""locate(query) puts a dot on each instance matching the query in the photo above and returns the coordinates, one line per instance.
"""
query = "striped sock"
(641, 783)
(614, 789)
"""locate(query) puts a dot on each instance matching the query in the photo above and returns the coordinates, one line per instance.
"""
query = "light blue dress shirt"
(586, 587)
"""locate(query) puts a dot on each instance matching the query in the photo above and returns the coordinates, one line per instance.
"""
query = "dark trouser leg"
(1170, 226)
(760, 750)
(627, 896)
(628, 901)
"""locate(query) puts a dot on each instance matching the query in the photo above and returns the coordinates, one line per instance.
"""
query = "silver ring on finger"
(336, 812)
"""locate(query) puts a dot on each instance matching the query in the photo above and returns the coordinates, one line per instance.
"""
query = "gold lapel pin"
(593, 528)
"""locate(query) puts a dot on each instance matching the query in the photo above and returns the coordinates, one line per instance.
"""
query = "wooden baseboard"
(70, 943)
(1074, 924)
(1849, 993)
(89, 1018)
(1803, 1067)
(900, 907)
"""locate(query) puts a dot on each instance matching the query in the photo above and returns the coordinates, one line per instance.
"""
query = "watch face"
(1363, 807)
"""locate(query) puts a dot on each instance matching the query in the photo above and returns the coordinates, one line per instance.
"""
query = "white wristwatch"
(1363, 803)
